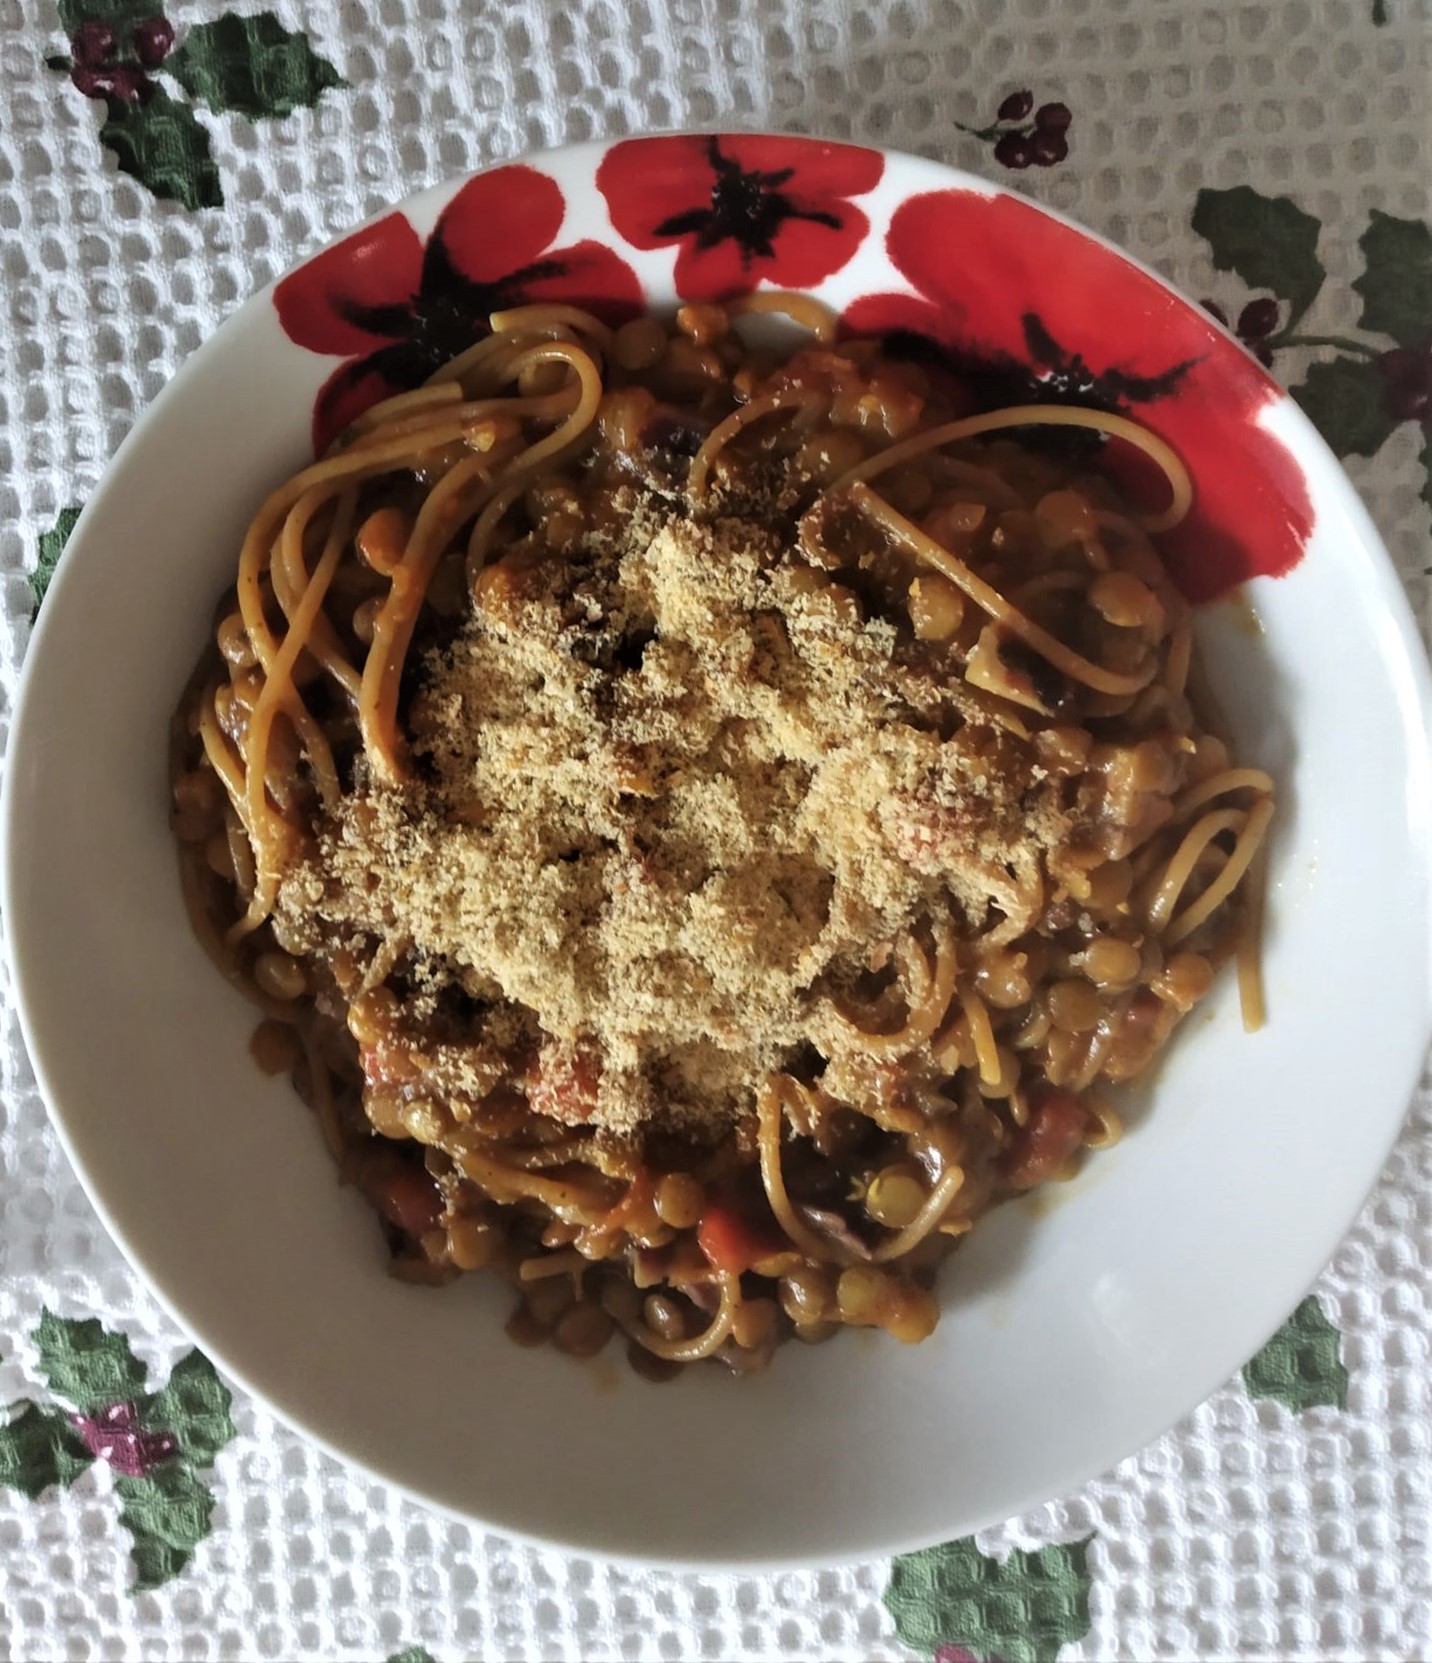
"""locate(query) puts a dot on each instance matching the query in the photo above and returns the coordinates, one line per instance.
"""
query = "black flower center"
(447, 315)
(1065, 377)
(1049, 375)
(747, 206)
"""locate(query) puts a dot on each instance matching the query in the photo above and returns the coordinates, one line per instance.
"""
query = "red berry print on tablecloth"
(1407, 382)
(1017, 308)
(741, 209)
(152, 41)
(397, 309)
(124, 52)
(1257, 320)
(101, 67)
(1256, 323)
(1023, 136)
(114, 1436)
(154, 1443)
(1367, 390)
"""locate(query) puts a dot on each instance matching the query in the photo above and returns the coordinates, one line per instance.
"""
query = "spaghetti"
(701, 825)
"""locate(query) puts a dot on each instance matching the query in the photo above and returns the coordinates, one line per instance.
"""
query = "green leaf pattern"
(1267, 240)
(162, 143)
(86, 1365)
(168, 1510)
(1271, 243)
(119, 14)
(39, 1448)
(249, 66)
(1018, 1610)
(1342, 397)
(1300, 1367)
(1396, 284)
(52, 546)
(194, 1406)
(167, 1514)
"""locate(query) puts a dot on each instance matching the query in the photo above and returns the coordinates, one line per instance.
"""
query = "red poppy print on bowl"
(398, 309)
(741, 209)
(1020, 308)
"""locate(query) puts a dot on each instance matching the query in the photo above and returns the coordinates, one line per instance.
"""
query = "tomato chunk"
(407, 1197)
(733, 1242)
(564, 1087)
(1041, 1146)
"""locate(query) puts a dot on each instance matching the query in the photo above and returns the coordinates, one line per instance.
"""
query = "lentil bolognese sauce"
(704, 824)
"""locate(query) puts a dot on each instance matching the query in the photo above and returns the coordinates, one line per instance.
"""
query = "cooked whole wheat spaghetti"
(703, 824)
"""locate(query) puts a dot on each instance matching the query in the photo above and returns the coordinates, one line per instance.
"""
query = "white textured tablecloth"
(1289, 1517)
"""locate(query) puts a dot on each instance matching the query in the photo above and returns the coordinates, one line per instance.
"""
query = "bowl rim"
(1305, 446)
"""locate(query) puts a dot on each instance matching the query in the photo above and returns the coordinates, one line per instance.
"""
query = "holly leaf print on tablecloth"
(956, 1603)
(114, 13)
(51, 547)
(1268, 241)
(194, 1407)
(161, 143)
(251, 66)
(86, 1365)
(154, 1443)
(167, 1513)
(1396, 285)
(1358, 398)
(1300, 1367)
(1343, 398)
(38, 1448)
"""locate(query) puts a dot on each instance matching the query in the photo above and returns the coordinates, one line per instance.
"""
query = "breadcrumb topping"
(663, 794)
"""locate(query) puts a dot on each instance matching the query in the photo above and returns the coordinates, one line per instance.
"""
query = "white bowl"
(1072, 1333)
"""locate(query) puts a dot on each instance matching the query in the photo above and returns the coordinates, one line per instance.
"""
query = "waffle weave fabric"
(155, 167)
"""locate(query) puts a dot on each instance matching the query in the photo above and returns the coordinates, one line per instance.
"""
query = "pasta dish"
(702, 822)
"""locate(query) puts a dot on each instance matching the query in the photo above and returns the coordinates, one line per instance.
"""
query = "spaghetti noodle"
(702, 825)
